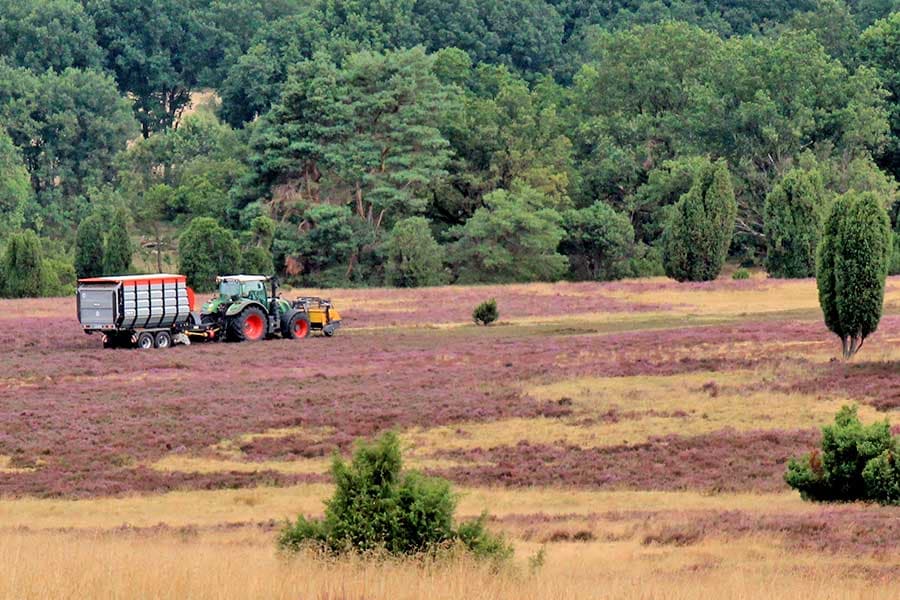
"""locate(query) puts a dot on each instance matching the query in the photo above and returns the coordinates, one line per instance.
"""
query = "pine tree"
(698, 235)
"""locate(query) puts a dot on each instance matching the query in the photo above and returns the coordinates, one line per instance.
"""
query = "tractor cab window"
(229, 288)
(255, 290)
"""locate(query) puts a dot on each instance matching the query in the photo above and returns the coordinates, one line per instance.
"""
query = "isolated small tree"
(793, 219)
(90, 246)
(856, 462)
(598, 240)
(23, 266)
(378, 507)
(852, 266)
(119, 249)
(486, 312)
(414, 258)
(206, 249)
(698, 235)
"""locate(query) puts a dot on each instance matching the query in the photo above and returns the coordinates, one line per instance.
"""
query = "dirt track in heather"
(628, 387)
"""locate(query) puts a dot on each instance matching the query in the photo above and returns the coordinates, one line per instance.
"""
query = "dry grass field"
(636, 431)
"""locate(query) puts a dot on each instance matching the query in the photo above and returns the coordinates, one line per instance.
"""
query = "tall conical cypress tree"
(23, 265)
(89, 247)
(852, 266)
(792, 218)
(699, 232)
(117, 256)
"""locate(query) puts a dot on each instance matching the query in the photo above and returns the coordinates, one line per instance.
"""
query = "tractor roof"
(242, 278)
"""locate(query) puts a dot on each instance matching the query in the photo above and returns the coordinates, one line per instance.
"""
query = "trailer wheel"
(163, 339)
(249, 326)
(297, 327)
(146, 341)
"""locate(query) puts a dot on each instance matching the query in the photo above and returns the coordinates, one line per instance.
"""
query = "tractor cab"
(235, 287)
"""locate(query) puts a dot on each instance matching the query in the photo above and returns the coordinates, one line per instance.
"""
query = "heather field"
(638, 431)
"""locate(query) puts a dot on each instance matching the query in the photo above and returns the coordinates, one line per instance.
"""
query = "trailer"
(143, 311)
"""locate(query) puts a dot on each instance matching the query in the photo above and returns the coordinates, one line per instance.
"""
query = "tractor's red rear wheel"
(249, 326)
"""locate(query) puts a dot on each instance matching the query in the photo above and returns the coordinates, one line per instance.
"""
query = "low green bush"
(486, 312)
(741, 274)
(377, 507)
(856, 462)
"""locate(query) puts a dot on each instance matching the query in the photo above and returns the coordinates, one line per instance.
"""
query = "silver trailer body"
(133, 303)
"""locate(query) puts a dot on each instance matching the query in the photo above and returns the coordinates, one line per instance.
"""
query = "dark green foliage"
(15, 186)
(205, 250)
(153, 48)
(856, 462)
(119, 249)
(512, 238)
(414, 258)
(23, 266)
(793, 218)
(377, 507)
(698, 235)
(90, 246)
(364, 133)
(853, 260)
(257, 261)
(59, 277)
(486, 312)
(881, 50)
(598, 241)
(68, 126)
(48, 34)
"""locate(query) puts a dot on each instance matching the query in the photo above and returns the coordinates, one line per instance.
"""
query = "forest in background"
(422, 142)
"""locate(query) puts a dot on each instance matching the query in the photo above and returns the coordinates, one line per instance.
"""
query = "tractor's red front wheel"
(249, 326)
(297, 327)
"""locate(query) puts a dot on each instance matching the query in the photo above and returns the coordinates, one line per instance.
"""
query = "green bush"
(856, 462)
(23, 266)
(697, 237)
(852, 266)
(59, 277)
(414, 258)
(378, 507)
(486, 312)
(741, 274)
(206, 249)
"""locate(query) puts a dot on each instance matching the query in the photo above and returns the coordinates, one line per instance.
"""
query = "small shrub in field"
(377, 507)
(486, 312)
(857, 462)
(741, 274)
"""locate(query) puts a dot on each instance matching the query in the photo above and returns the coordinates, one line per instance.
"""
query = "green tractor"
(244, 311)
